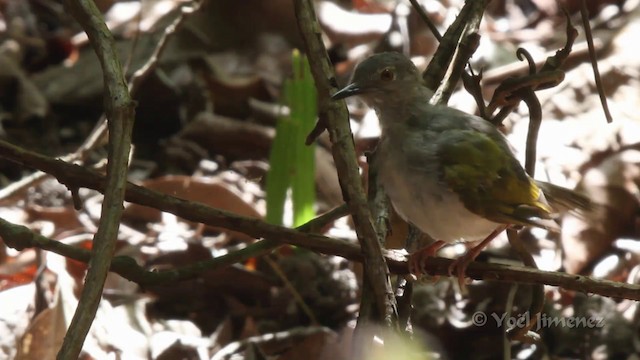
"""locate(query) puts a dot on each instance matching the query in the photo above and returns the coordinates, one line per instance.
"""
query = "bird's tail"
(563, 200)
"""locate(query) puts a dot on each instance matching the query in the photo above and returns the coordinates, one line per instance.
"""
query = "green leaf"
(292, 163)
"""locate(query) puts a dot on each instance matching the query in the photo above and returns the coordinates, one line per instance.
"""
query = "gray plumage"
(433, 159)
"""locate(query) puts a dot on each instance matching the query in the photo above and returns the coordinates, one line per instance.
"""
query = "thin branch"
(467, 22)
(152, 63)
(523, 275)
(524, 333)
(498, 74)
(335, 115)
(425, 18)
(197, 212)
(74, 176)
(528, 95)
(464, 51)
(535, 120)
(20, 237)
(119, 108)
(594, 61)
(512, 90)
(471, 83)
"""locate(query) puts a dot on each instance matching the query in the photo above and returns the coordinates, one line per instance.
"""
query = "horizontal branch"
(75, 176)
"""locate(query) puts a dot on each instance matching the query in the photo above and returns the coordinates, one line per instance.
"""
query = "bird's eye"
(387, 75)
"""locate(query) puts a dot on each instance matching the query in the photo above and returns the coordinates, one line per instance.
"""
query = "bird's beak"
(349, 90)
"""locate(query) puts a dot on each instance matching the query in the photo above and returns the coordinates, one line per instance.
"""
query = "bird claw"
(459, 267)
(418, 259)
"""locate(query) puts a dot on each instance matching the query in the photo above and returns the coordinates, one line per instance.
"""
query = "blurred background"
(206, 119)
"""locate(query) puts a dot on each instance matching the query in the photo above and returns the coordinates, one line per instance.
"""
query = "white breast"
(420, 199)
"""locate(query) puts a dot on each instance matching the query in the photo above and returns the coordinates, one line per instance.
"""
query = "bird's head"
(383, 79)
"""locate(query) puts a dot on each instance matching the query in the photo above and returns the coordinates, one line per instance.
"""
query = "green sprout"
(292, 163)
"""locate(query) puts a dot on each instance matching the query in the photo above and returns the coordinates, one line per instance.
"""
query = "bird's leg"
(459, 266)
(418, 258)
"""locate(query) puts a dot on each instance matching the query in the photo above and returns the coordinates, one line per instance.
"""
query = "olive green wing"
(490, 182)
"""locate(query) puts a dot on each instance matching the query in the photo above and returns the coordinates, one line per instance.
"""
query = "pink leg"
(459, 266)
(418, 258)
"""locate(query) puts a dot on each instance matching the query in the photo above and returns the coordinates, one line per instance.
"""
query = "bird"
(451, 174)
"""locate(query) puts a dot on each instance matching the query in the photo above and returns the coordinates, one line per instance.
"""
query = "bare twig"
(555, 62)
(425, 18)
(535, 120)
(496, 75)
(464, 51)
(528, 95)
(512, 90)
(76, 176)
(524, 333)
(378, 200)
(467, 22)
(594, 61)
(471, 83)
(119, 108)
(152, 63)
(379, 206)
(317, 224)
(21, 237)
(335, 115)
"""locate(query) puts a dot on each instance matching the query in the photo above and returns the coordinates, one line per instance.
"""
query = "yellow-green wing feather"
(489, 180)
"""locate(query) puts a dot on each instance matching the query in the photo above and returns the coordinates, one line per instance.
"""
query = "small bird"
(451, 174)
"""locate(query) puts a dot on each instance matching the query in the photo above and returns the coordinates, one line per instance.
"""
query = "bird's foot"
(459, 267)
(418, 259)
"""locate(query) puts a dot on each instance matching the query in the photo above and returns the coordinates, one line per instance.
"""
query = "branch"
(466, 23)
(76, 176)
(464, 51)
(120, 112)
(425, 19)
(20, 237)
(335, 116)
(594, 62)
(509, 93)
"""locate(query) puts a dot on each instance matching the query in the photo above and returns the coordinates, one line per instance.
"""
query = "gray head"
(382, 78)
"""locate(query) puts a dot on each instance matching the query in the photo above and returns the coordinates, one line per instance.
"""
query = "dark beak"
(345, 92)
